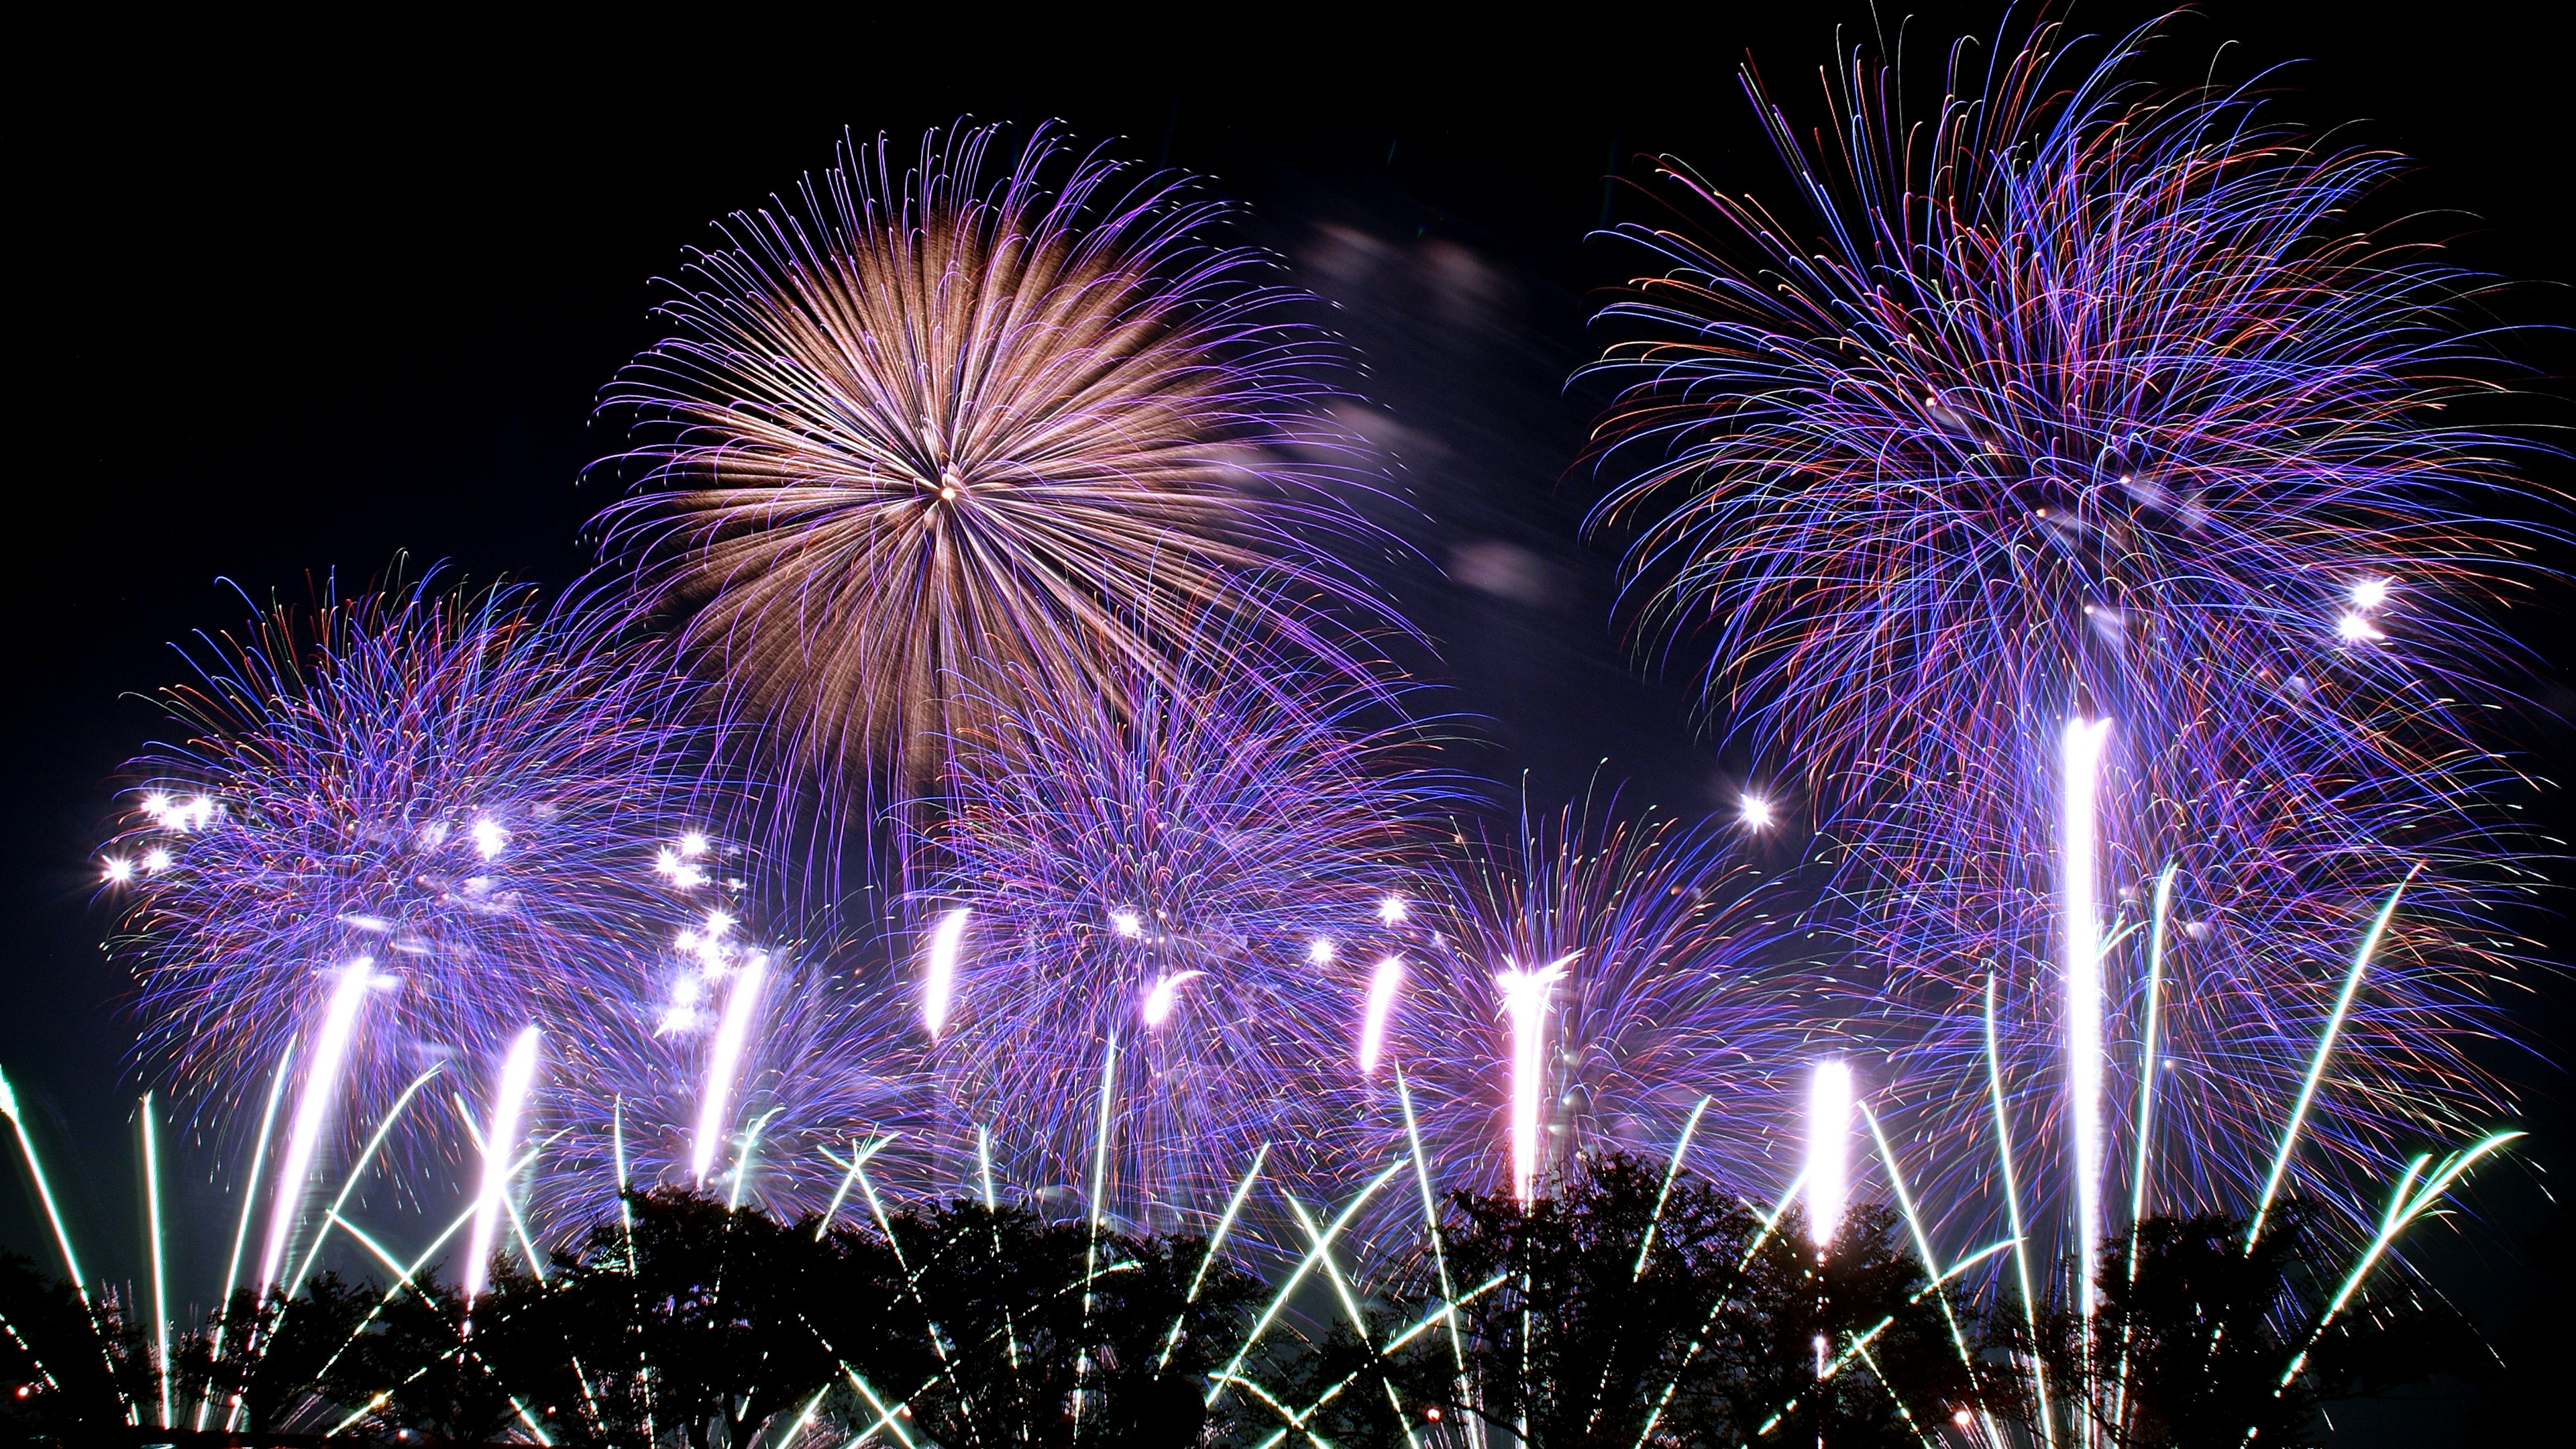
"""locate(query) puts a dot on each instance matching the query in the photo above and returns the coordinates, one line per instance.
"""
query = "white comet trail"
(726, 1059)
(939, 982)
(313, 1109)
(1381, 1001)
(500, 1151)
(2081, 912)
(1829, 1122)
(1525, 996)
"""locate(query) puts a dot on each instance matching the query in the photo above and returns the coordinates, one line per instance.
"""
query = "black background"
(294, 298)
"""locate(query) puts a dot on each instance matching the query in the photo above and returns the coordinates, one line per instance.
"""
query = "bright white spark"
(2352, 628)
(119, 870)
(724, 1061)
(489, 837)
(939, 981)
(1381, 1001)
(1165, 995)
(1391, 911)
(1525, 996)
(1127, 923)
(500, 1146)
(2081, 913)
(1755, 812)
(1829, 1124)
(155, 861)
(693, 844)
(2370, 593)
(313, 1109)
(1320, 951)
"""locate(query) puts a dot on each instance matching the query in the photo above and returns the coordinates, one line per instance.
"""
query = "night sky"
(293, 302)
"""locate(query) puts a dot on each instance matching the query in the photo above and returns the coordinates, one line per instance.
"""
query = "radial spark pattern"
(940, 435)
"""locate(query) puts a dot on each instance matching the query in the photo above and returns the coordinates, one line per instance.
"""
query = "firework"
(926, 426)
(1673, 988)
(1373, 1017)
(2080, 923)
(734, 1063)
(314, 1102)
(1525, 995)
(457, 796)
(1829, 1124)
(500, 1154)
(2087, 402)
(1156, 868)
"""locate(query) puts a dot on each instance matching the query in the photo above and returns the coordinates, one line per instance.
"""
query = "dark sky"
(293, 301)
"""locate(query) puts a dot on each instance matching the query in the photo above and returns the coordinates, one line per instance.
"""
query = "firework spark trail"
(2079, 397)
(314, 1099)
(824, 1056)
(1525, 996)
(161, 1367)
(914, 427)
(44, 1191)
(500, 1146)
(467, 786)
(1383, 986)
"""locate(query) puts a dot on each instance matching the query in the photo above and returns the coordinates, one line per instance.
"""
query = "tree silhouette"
(2193, 1350)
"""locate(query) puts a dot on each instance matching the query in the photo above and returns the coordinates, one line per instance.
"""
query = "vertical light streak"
(617, 1145)
(500, 1142)
(939, 980)
(313, 1110)
(1829, 1114)
(2325, 1049)
(250, 1200)
(1525, 996)
(1381, 1000)
(2080, 911)
(160, 1277)
(740, 1003)
(2149, 1029)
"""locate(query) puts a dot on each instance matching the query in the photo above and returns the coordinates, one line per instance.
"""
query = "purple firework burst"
(492, 805)
(1189, 873)
(2090, 402)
